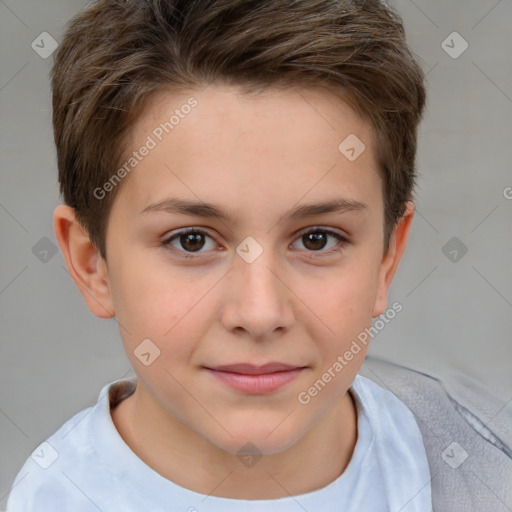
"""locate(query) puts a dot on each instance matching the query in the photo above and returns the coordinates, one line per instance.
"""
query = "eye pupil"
(189, 241)
(318, 239)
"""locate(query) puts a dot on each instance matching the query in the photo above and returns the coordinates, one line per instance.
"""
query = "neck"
(189, 460)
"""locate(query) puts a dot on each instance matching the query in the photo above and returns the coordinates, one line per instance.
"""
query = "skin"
(256, 158)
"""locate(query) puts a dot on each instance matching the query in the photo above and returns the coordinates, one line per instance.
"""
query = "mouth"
(251, 379)
(250, 369)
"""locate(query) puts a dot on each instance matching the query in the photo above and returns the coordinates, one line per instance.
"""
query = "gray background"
(457, 316)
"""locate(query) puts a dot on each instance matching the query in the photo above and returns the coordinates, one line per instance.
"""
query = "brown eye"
(315, 240)
(190, 241)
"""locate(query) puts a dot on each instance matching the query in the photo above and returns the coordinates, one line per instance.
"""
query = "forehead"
(218, 143)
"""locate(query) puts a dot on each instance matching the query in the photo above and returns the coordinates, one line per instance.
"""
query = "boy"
(279, 137)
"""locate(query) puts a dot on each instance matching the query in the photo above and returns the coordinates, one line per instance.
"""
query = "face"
(248, 274)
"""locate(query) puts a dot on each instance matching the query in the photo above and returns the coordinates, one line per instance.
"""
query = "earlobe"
(389, 264)
(85, 265)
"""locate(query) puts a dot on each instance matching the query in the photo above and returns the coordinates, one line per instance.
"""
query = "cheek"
(345, 310)
(344, 298)
(146, 288)
(174, 312)
(153, 302)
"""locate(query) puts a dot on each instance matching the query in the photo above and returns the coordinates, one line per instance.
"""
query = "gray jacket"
(470, 456)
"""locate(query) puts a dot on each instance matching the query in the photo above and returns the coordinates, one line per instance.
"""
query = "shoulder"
(43, 475)
(383, 407)
(471, 464)
(396, 430)
(397, 446)
(46, 481)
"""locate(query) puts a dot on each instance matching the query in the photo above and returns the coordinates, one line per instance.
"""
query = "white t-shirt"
(87, 467)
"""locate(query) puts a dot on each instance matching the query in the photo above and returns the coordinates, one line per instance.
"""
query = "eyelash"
(337, 248)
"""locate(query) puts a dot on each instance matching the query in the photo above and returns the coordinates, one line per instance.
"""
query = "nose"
(257, 301)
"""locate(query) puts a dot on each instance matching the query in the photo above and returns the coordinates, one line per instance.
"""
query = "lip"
(263, 379)
(250, 369)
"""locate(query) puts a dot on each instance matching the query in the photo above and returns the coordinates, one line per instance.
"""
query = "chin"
(260, 441)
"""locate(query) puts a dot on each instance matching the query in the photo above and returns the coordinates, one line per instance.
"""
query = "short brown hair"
(116, 54)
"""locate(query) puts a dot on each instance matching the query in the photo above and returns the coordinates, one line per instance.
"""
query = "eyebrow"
(208, 210)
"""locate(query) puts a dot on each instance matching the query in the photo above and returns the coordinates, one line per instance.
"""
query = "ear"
(389, 264)
(85, 264)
